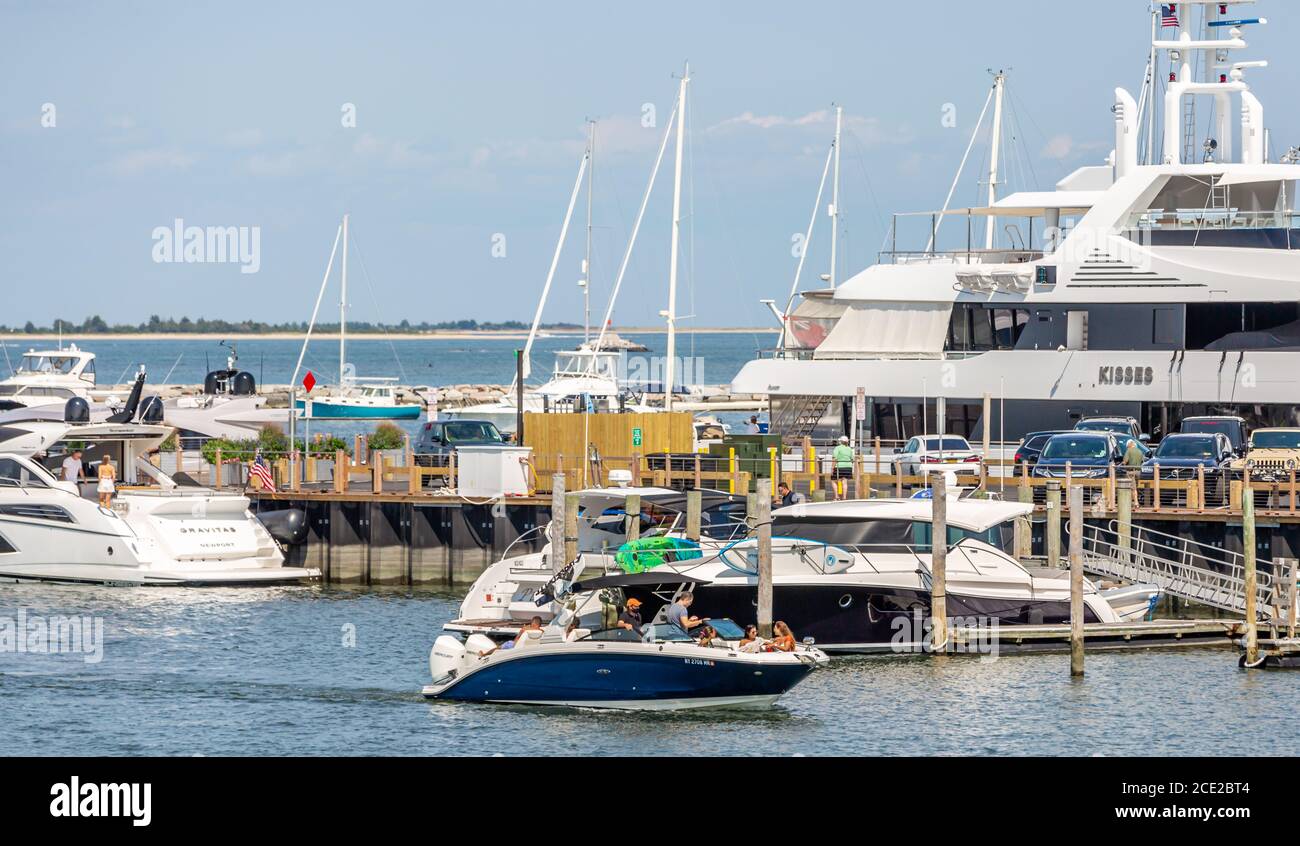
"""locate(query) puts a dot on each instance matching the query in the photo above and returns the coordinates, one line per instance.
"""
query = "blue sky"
(470, 122)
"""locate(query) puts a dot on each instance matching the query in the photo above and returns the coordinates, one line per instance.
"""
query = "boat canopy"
(977, 515)
(882, 328)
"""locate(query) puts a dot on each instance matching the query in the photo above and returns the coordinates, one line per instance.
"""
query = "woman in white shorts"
(107, 477)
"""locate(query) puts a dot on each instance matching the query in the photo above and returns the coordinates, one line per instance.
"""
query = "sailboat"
(590, 376)
(373, 398)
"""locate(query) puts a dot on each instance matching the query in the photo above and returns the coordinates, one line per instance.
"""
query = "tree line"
(96, 325)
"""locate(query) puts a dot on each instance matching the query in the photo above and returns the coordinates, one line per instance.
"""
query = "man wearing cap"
(631, 617)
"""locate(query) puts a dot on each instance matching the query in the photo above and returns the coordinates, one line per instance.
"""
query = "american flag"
(260, 470)
(1168, 14)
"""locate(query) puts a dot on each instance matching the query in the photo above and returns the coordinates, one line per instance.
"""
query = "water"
(265, 672)
(417, 361)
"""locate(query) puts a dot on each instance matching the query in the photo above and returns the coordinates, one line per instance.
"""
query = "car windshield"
(1191, 447)
(1103, 426)
(1075, 446)
(1227, 427)
(1284, 439)
(948, 444)
(467, 431)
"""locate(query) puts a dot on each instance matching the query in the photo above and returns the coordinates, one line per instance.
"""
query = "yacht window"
(15, 475)
(1001, 536)
(89, 370)
(875, 535)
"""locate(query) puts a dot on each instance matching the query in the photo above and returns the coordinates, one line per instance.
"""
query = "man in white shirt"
(72, 469)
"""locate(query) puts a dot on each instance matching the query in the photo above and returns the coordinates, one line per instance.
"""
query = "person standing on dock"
(751, 428)
(842, 457)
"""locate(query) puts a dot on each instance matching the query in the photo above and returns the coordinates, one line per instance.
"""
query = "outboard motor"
(76, 410)
(288, 525)
(244, 385)
(446, 658)
(151, 409)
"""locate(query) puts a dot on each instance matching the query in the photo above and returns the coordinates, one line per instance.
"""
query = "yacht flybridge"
(49, 377)
(1159, 284)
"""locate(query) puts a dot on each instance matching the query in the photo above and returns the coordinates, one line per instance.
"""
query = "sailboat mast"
(586, 262)
(999, 85)
(671, 314)
(835, 196)
(343, 305)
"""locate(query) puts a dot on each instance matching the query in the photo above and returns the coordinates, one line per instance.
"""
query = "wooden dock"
(1100, 636)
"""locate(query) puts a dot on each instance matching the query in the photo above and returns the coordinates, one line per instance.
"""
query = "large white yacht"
(49, 377)
(1160, 284)
(160, 531)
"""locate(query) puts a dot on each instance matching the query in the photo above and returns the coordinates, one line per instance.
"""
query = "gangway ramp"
(1184, 568)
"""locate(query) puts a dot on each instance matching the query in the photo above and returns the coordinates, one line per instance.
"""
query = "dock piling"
(694, 507)
(556, 529)
(762, 515)
(632, 510)
(939, 563)
(570, 527)
(1053, 526)
(1076, 581)
(1124, 507)
(1249, 577)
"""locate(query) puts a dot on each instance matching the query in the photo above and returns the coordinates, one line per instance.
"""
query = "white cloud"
(397, 154)
(243, 138)
(159, 159)
(1058, 147)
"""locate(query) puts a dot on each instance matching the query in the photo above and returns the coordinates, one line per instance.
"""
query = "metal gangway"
(1184, 568)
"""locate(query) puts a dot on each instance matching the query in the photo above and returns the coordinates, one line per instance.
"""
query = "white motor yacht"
(49, 377)
(159, 531)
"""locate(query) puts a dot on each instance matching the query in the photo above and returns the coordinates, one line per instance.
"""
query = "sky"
(451, 134)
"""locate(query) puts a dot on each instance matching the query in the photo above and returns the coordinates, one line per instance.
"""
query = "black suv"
(439, 438)
(1234, 428)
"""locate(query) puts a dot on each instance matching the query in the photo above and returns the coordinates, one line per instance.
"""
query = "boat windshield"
(16, 475)
(46, 364)
(1174, 447)
(884, 536)
(1075, 446)
(1277, 439)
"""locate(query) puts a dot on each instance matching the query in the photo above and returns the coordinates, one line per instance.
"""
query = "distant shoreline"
(449, 335)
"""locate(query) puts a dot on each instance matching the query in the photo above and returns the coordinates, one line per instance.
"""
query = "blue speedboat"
(612, 668)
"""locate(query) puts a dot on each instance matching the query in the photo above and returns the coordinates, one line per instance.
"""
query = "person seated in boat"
(571, 630)
(534, 625)
(785, 496)
(783, 640)
(751, 642)
(630, 619)
(709, 637)
(679, 615)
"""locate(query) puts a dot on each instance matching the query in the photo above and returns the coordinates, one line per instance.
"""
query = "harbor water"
(328, 671)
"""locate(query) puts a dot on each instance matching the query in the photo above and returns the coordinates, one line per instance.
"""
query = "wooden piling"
(556, 530)
(1288, 567)
(939, 563)
(1124, 507)
(632, 508)
(1053, 526)
(694, 507)
(1022, 538)
(1249, 578)
(1076, 581)
(340, 471)
(218, 481)
(376, 471)
(762, 515)
(570, 527)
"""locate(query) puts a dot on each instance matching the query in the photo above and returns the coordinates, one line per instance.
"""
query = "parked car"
(1234, 428)
(923, 454)
(1271, 453)
(439, 438)
(1181, 454)
(1119, 425)
(1031, 446)
(1090, 455)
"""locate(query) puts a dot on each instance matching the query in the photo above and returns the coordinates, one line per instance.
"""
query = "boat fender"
(445, 658)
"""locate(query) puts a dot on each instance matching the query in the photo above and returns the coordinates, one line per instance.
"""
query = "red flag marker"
(309, 381)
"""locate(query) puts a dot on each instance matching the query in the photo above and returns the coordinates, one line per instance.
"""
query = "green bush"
(387, 436)
(273, 443)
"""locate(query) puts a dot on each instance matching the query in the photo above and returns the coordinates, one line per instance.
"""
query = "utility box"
(492, 471)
